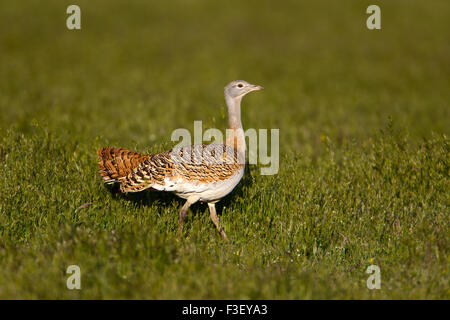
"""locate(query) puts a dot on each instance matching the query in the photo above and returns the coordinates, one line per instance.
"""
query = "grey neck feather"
(234, 112)
(237, 137)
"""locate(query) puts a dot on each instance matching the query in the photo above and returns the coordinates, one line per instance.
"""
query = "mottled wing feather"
(116, 163)
(197, 164)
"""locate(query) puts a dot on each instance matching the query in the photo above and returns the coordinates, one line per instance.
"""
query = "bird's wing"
(194, 165)
(116, 163)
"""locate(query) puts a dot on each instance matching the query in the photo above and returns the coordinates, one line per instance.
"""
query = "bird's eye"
(240, 85)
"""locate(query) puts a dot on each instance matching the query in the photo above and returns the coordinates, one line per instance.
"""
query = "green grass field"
(364, 148)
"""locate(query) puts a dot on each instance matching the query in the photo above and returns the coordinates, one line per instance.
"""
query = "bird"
(196, 173)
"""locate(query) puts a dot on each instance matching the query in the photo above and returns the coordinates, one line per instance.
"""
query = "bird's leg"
(215, 219)
(183, 212)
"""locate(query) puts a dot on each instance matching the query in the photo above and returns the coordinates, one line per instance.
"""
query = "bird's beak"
(256, 87)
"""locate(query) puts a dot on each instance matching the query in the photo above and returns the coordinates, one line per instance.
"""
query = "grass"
(364, 149)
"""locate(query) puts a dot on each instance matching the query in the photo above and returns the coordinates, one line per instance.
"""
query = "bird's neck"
(235, 137)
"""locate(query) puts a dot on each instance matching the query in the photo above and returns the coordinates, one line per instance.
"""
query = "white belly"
(206, 192)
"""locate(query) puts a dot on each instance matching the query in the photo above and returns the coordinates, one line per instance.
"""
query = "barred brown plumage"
(154, 170)
(201, 172)
(115, 163)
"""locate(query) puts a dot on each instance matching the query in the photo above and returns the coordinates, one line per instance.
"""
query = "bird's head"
(239, 88)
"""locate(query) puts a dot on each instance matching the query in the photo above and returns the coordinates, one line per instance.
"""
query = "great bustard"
(205, 173)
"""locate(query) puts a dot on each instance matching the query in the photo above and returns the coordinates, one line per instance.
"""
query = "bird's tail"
(117, 163)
